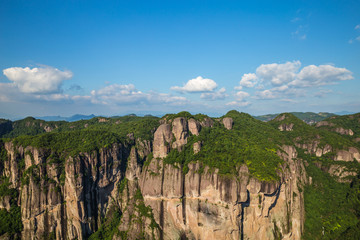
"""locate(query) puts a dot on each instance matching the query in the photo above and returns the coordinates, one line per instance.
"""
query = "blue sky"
(120, 57)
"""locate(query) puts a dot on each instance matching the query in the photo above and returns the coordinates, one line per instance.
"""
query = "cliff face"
(207, 205)
(64, 197)
(73, 196)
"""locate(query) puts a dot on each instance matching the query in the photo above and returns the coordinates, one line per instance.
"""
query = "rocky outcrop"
(207, 122)
(314, 148)
(228, 123)
(324, 123)
(348, 155)
(341, 172)
(209, 206)
(180, 132)
(339, 130)
(194, 126)
(5, 202)
(343, 131)
(197, 147)
(162, 140)
(70, 195)
(286, 127)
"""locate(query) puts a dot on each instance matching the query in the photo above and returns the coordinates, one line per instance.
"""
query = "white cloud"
(266, 94)
(238, 104)
(241, 95)
(358, 38)
(278, 74)
(357, 26)
(281, 88)
(198, 84)
(248, 80)
(322, 93)
(117, 94)
(221, 94)
(238, 87)
(42, 80)
(312, 75)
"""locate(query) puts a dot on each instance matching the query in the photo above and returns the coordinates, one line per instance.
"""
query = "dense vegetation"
(307, 117)
(141, 127)
(346, 122)
(332, 208)
(140, 212)
(303, 133)
(10, 221)
(250, 142)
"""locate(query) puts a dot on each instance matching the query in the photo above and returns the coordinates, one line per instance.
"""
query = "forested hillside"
(181, 176)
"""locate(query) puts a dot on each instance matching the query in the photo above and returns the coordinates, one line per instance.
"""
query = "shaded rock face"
(70, 198)
(162, 139)
(66, 198)
(228, 123)
(5, 202)
(207, 122)
(180, 132)
(194, 126)
(280, 118)
(209, 206)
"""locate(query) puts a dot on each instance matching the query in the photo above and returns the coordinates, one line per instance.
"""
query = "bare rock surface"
(348, 155)
(194, 126)
(162, 139)
(286, 127)
(180, 132)
(228, 123)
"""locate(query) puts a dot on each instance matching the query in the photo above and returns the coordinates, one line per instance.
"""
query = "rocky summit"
(181, 176)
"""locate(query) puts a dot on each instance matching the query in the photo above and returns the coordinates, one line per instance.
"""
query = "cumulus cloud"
(221, 94)
(198, 84)
(117, 94)
(248, 80)
(238, 104)
(241, 95)
(288, 80)
(278, 74)
(266, 94)
(312, 75)
(41, 80)
(322, 93)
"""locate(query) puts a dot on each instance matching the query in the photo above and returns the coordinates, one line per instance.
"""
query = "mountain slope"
(179, 176)
(308, 117)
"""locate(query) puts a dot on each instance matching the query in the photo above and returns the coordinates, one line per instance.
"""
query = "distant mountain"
(344, 113)
(308, 117)
(73, 118)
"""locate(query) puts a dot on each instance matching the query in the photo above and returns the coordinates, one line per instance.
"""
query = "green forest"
(332, 205)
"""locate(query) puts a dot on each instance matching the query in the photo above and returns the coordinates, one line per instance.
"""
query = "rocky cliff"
(131, 190)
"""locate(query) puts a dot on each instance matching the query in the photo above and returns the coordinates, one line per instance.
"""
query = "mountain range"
(181, 176)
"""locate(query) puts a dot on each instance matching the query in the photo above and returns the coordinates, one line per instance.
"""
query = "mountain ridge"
(181, 176)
